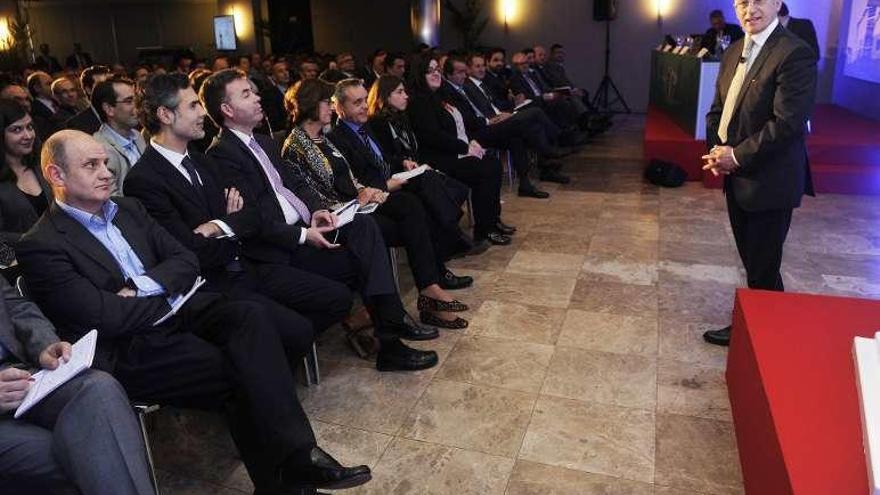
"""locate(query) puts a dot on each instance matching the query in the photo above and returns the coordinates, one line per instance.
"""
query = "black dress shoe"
(323, 471)
(718, 337)
(398, 357)
(504, 228)
(412, 330)
(556, 153)
(553, 176)
(451, 281)
(533, 192)
(498, 239)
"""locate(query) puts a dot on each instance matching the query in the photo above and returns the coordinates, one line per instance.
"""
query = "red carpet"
(791, 382)
(844, 150)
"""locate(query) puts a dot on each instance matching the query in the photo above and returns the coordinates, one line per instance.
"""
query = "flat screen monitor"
(224, 32)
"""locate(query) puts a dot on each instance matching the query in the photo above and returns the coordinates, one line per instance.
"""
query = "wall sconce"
(242, 30)
(5, 35)
(509, 11)
(662, 8)
(425, 21)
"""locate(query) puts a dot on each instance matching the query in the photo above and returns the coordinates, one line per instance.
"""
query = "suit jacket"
(768, 127)
(86, 121)
(473, 123)
(555, 75)
(272, 99)
(435, 128)
(497, 87)
(481, 98)
(520, 86)
(48, 63)
(85, 61)
(364, 164)
(45, 122)
(395, 149)
(174, 203)
(236, 166)
(710, 39)
(17, 215)
(74, 278)
(805, 30)
(117, 162)
(24, 331)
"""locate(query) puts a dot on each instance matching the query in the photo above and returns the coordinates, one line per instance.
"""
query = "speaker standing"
(757, 129)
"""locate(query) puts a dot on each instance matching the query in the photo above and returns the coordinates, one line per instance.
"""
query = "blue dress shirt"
(109, 235)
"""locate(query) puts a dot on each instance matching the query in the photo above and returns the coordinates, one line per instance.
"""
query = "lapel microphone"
(742, 60)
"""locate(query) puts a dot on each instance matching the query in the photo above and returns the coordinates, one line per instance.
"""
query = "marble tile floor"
(583, 370)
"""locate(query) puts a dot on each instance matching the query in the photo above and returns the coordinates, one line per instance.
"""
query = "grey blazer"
(116, 160)
(24, 331)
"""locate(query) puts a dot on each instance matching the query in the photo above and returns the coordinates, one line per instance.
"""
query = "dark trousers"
(484, 179)
(292, 293)
(361, 263)
(224, 354)
(403, 222)
(82, 438)
(759, 240)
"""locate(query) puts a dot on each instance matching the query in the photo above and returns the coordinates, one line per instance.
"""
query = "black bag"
(665, 174)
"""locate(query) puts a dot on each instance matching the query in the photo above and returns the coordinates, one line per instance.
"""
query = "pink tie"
(277, 184)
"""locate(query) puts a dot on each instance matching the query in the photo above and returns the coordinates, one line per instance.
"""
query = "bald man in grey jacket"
(81, 438)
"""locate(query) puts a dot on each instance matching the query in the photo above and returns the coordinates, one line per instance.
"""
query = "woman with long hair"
(444, 143)
(399, 214)
(24, 194)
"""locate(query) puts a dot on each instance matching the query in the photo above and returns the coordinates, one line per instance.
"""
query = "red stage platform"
(844, 150)
(791, 380)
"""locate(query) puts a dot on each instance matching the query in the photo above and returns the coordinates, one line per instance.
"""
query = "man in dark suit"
(92, 262)
(272, 96)
(88, 120)
(757, 125)
(803, 28)
(525, 85)
(46, 61)
(182, 193)
(294, 225)
(720, 28)
(497, 76)
(65, 94)
(81, 438)
(78, 60)
(44, 107)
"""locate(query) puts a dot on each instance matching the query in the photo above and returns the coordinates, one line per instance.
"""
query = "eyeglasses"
(744, 4)
(431, 70)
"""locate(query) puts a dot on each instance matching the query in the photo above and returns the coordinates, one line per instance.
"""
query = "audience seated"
(78, 60)
(83, 438)
(88, 120)
(181, 192)
(272, 97)
(445, 144)
(441, 195)
(65, 94)
(46, 61)
(24, 195)
(374, 68)
(44, 107)
(96, 262)
(334, 163)
(114, 101)
(395, 65)
(16, 93)
(295, 222)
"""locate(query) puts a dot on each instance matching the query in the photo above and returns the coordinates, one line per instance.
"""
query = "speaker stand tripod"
(608, 96)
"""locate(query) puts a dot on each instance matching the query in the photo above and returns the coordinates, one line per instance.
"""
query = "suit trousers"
(224, 354)
(290, 294)
(403, 222)
(483, 176)
(759, 237)
(82, 438)
(361, 263)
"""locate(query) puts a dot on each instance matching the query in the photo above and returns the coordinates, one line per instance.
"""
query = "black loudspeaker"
(604, 10)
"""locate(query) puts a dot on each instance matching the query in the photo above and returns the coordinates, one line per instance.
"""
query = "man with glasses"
(114, 101)
(757, 130)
